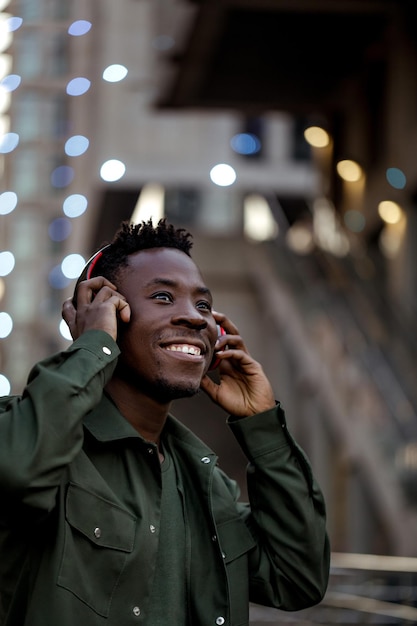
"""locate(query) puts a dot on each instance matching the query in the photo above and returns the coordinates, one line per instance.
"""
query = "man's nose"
(190, 316)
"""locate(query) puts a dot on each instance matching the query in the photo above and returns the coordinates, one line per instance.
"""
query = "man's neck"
(147, 416)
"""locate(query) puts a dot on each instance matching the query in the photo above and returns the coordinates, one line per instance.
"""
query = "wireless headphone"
(87, 273)
(88, 270)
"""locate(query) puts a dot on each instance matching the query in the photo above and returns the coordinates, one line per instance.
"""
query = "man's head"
(168, 344)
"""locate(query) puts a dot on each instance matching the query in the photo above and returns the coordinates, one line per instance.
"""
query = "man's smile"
(185, 348)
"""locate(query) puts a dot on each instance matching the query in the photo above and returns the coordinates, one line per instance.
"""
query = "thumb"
(209, 387)
(69, 314)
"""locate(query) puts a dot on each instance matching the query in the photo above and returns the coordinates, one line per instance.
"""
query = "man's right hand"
(98, 307)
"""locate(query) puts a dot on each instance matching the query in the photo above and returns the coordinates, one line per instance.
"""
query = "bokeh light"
(354, 220)
(78, 86)
(245, 143)
(392, 236)
(7, 262)
(317, 137)
(60, 229)
(396, 178)
(112, 170)
(299, 238)
(76, 145)
(6, 36)
(13, 23)
(5, 387)
(258, 222)
(79, 27)
(8, 142)
(11, 82)
(223, 175)
(6, 325)
(349, 170)
(75, 205)
(64, 330)
(5, 100)
(72, 265)
(8, 202)
(150, 204)
(62, 176)
(115, 73)
(390, 212)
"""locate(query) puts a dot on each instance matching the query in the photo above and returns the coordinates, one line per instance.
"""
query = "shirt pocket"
(99, 536)
(235, 542)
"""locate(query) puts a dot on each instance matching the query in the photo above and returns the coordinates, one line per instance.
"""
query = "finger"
(124, 310)
(225, 323)
(209, 387)
(88, 289)
(68, 312)
(229, 342)
(236, 359)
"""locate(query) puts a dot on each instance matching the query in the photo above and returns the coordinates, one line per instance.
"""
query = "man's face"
(168, 345)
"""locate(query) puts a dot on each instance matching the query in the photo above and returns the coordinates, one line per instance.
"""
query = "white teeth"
(186, 349)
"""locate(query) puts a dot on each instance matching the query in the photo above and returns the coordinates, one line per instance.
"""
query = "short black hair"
(131, 238)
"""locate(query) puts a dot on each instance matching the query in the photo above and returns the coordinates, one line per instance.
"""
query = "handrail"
(374, 562)
(363, 604)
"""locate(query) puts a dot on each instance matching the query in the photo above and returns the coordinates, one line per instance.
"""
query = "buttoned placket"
(151, 451)
(219, 620)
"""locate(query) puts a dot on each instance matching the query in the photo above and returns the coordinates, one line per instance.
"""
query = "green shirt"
(81, 497)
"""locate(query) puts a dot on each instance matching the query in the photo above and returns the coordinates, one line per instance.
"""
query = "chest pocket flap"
(101, 521)
(234, 539)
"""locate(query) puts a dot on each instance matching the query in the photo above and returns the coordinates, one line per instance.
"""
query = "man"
(112, 512)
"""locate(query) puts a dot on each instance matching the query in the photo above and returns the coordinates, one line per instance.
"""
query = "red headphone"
(88, 270)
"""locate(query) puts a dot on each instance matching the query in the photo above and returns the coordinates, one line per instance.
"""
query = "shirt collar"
(106, 423)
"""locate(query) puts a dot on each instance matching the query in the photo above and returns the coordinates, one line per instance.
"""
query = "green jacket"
(80, 494)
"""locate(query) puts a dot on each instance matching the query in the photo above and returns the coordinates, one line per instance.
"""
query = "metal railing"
(363, 589)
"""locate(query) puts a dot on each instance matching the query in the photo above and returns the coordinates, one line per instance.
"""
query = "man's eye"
(204, 305)
(162, 296)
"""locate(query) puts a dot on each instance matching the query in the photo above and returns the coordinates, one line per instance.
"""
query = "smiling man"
(114, 513)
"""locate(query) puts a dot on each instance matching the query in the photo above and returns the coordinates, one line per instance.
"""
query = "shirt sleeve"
(41, 431)
(290, 567)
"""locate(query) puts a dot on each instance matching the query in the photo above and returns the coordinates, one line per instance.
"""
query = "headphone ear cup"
(216, 361)
(82, 276)
(87, 271)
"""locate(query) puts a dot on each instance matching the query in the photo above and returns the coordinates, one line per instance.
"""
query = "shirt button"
(220, 620)
(205, 459)
(214, 538)
(136, 611)
(150, 450)
(106, 350)
(97, 532)
(152, 528)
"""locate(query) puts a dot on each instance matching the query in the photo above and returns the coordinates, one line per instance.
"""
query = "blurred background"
(283, 134)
